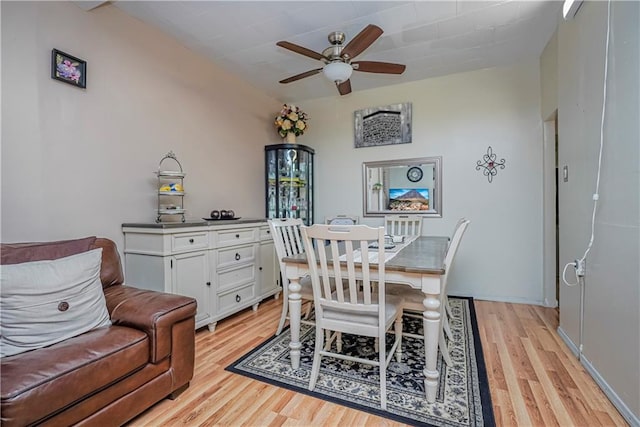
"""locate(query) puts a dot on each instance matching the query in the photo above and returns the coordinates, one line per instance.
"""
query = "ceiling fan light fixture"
(337, 71)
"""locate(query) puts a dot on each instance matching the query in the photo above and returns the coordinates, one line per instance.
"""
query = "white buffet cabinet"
(226, 266)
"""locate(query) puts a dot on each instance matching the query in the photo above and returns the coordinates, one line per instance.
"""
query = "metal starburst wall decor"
(488, 165)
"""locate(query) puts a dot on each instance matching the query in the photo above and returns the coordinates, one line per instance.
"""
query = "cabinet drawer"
(236, 237)
(236, 255)
(232, 301)
(187, 241)
(236, 276)
(265, 233)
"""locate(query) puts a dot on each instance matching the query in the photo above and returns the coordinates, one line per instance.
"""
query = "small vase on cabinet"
(291, 138)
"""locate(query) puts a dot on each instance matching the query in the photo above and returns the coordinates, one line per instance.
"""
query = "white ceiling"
(432, 38)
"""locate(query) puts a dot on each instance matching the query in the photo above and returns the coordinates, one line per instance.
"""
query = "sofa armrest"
(153, 312)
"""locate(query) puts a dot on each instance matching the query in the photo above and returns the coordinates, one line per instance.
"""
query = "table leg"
(295, 307)
(431, 325)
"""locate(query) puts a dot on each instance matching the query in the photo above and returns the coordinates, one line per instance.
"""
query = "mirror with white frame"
(403, 187)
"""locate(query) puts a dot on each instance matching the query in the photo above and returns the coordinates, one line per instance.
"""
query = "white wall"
(80, 162)
(611, 341)
(549, 108)
(549, 75)
(456, 117)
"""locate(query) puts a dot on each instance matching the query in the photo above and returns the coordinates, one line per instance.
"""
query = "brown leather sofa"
(109, 375)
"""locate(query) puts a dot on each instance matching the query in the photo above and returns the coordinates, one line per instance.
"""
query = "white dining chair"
(288, 242)
(354, 308)
(447, 307)
(342, 220)
(413, 298)
(403, 225)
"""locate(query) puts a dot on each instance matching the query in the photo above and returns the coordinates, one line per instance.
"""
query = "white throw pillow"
(45, 302)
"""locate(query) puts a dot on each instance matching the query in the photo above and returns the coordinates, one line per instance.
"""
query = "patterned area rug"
(463, 394)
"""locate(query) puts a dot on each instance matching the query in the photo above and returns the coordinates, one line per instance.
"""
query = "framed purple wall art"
(68, 69)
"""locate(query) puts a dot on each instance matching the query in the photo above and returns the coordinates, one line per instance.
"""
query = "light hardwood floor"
(534, 378)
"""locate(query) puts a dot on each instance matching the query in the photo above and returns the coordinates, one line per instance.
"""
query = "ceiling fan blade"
(363, 40)
(301, 75)
(378, 67)
(345, 87)
(301, 50)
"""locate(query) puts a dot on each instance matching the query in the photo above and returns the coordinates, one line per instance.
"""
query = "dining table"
(418, 263)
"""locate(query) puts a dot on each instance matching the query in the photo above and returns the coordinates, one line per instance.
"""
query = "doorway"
(557, 214)
(551, 177)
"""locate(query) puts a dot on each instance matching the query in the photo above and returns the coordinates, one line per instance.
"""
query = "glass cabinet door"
(289, 181)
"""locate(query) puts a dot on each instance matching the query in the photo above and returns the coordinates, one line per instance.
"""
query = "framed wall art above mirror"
(376, 126)
(406, 186)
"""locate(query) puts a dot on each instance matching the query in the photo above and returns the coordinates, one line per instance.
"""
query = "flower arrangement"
(291, 120)
(69, 70)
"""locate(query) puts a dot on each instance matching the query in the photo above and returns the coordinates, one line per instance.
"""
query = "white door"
(190, 277)
(269, 283)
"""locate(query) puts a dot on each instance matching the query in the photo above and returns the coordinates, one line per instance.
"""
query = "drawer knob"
(260, 268)
(190, 240)
(237, 236)
(208, 283)
(238, 298)
(268, 231)
(237, 256)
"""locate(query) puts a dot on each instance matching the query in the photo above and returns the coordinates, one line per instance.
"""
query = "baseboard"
(574, 349)
(497, 298)
(626, 413)
(624, 410)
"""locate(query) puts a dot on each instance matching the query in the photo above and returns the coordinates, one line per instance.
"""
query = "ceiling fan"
(337, 58)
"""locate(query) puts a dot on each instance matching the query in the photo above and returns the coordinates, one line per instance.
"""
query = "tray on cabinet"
(222, 219)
